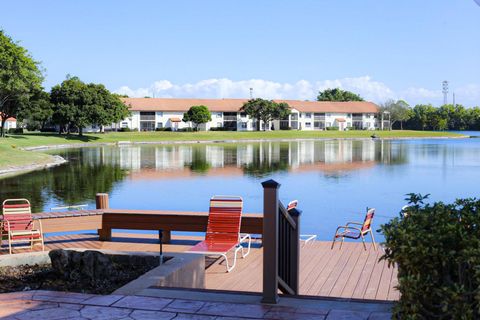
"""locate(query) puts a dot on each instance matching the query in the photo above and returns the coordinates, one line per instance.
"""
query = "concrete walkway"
(64, 305)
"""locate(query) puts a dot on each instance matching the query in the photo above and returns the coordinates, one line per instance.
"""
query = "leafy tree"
(38, 112)
(77, 105)
(20, 78)
(265, 110)
(420, 117)
(338, 94)
(399, 111)
(197, 115)
(109, 108)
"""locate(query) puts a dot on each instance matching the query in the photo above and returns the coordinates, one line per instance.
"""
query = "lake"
(334, 180)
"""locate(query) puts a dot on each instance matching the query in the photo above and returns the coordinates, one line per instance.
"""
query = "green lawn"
(10, 155)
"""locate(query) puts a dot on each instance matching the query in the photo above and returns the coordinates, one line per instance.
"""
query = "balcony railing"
(229, 118)
(147, 118)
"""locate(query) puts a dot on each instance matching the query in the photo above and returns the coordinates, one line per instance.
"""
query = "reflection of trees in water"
(266, 159)
(73, 183)
(93, 170)
(199, 163)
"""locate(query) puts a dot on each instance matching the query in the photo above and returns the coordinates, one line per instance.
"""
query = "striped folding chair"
(223, 230)
(17, 224)
(350, 232)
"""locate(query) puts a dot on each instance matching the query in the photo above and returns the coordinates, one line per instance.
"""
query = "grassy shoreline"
(12, 155)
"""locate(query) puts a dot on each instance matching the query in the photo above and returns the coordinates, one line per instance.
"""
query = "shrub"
(286, 128)
(219, 129)
(15, 130)
(332, 128)
(186, 130)
(48, 129)
(126, 129)
(437, 250)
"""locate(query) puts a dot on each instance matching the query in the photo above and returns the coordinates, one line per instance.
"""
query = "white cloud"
(368, 88)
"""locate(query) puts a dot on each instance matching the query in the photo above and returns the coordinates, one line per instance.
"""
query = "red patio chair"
(223, 230)
(17, 224)
(347, 231)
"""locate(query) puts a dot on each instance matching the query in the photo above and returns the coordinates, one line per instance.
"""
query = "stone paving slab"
(54, 305)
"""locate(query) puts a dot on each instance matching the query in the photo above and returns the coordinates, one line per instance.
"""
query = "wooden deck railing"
(288, 249)
(281, 245)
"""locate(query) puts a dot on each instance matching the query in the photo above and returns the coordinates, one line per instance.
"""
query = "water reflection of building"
(255, 158)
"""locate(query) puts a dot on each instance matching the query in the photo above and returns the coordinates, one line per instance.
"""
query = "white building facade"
(149, 114)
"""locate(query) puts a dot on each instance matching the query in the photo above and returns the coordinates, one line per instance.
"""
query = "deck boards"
(350, 272)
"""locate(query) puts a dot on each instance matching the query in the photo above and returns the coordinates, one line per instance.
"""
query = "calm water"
(334, 181)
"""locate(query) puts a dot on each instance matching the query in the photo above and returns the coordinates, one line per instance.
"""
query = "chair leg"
(363, 241)
(373, 240)
(224, 255)
(9, 245)
(341, 243)
(333, 242)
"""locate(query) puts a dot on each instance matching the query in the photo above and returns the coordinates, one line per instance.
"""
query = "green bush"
(163, 129)
(219, 129)
(437, 250)
(15, 130)
(187, 130)
(332, 128)
(126, 129)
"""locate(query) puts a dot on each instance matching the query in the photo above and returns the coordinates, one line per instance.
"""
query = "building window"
(159, 124)
(160, 114)
(243, 115)
(329, 114)
(124, 125)
(219, 115)
(308, 124)
(308, 115)
(244, 125)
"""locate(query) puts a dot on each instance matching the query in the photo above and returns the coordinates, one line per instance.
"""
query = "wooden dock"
(348, 273)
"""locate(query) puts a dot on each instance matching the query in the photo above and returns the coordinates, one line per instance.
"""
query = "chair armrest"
(244, 237)
(354, 222)
(347, 228)
(39, 225)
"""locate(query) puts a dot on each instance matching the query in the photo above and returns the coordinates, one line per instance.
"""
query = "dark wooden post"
(270, 241)
(101, 201)
(295, 251)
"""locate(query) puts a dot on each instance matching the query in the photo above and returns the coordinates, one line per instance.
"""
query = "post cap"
(271, 184)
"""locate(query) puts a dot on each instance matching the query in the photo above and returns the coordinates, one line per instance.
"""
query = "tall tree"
(77, 105)
(38, 112)
(399, 111)
(265, 110)
(197, 115)
(338, 94)
(421, 115)
(20, 78)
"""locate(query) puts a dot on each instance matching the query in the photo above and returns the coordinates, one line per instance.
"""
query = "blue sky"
(283, 49)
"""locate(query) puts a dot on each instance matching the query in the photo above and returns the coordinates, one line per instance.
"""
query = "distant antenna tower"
(445, 92)
(251, 93)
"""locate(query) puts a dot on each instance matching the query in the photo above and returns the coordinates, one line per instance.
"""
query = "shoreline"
(58, 160)
(16, 170)
(176, 142)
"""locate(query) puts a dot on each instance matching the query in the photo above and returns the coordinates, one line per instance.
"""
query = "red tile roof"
(234, 105)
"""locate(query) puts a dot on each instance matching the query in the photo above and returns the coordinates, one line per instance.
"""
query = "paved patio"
(64, 305)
